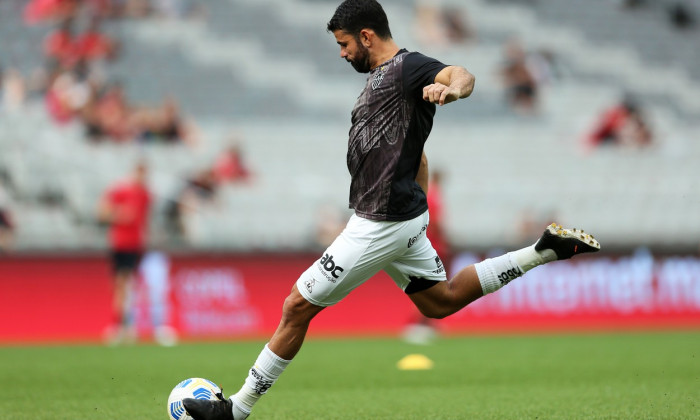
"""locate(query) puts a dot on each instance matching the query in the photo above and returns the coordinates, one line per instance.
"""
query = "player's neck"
(385, 52)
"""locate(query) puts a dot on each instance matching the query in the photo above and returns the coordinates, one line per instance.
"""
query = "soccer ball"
(201, 389)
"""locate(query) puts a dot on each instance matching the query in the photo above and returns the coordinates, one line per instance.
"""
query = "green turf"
(613, 376)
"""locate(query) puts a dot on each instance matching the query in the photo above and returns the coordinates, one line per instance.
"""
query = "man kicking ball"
(389, 175)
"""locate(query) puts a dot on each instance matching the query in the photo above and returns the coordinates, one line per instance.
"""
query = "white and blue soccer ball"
(199, 388)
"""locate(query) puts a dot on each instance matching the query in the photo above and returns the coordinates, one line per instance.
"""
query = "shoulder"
(417, 63)
(117, 188)
(420, 70)
(417, 58)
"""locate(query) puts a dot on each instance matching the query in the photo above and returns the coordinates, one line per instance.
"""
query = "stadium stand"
(268, 70)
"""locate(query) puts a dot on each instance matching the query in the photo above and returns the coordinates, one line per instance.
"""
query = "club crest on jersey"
(378, 77)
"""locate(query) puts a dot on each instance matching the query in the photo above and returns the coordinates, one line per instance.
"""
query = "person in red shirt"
(95, 45)
(623, 125)
(60, 46)
(421, 329)
(436, 229)
(114, 115)
(231, 167)
(125, 207)
(36, 11)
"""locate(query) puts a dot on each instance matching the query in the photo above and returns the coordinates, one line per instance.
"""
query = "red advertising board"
(595, 293)
(49, 299)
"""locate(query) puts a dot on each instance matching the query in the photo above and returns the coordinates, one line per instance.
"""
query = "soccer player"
(390, 124)
(125, 208)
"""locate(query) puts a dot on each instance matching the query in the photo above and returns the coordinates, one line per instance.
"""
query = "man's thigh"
(419, 268)
(364, 248)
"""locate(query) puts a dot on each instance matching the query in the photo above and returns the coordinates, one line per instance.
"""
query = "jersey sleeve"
(420, 71)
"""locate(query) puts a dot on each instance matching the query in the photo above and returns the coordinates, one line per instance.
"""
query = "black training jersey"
(390, 124)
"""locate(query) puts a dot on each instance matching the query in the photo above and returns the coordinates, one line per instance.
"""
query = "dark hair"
(352, 16)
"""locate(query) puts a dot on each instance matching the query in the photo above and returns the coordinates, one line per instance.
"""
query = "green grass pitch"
(608, 376)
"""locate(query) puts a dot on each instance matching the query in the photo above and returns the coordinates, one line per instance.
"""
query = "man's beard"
(361, 61)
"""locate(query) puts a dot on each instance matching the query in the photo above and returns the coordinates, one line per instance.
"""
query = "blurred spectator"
(155, 271)
(60, 47)
(66, 96)
(90, 114)
(544, 66)
(681, 16)
(7, 227)
(112, 115)
(40, 10)
(200, 189)
(439, 26)
(230, 166)
(109, 116)
(437, 231)
(135, 8)
(421, 330)
(622, 125)
(37, 11)
(520, 82)
(125, 208)
(457, 28)
(164, 124)
(68, 49)
(13, 90)
(428, 23)
(75, 70)
(531, 223)
(330, 222)
(93, 44)
(199, 193)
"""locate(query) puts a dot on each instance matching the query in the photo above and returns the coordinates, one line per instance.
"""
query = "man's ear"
(366, 37)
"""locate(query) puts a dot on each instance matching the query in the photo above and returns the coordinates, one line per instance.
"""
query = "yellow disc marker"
(415, 362)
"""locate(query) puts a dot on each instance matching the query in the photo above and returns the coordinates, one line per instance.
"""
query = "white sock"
(264, 373)
(495, 273)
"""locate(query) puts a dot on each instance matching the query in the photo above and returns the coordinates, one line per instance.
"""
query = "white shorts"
(364, 248)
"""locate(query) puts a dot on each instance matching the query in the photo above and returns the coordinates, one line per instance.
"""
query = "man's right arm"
(451, 83)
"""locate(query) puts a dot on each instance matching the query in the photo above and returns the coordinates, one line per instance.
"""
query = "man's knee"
(435, 312)
(434, 302)
(296, 309)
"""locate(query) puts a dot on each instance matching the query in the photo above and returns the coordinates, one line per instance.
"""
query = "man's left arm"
(451, 83)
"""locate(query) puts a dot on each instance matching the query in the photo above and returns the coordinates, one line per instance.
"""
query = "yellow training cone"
(415, 362)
